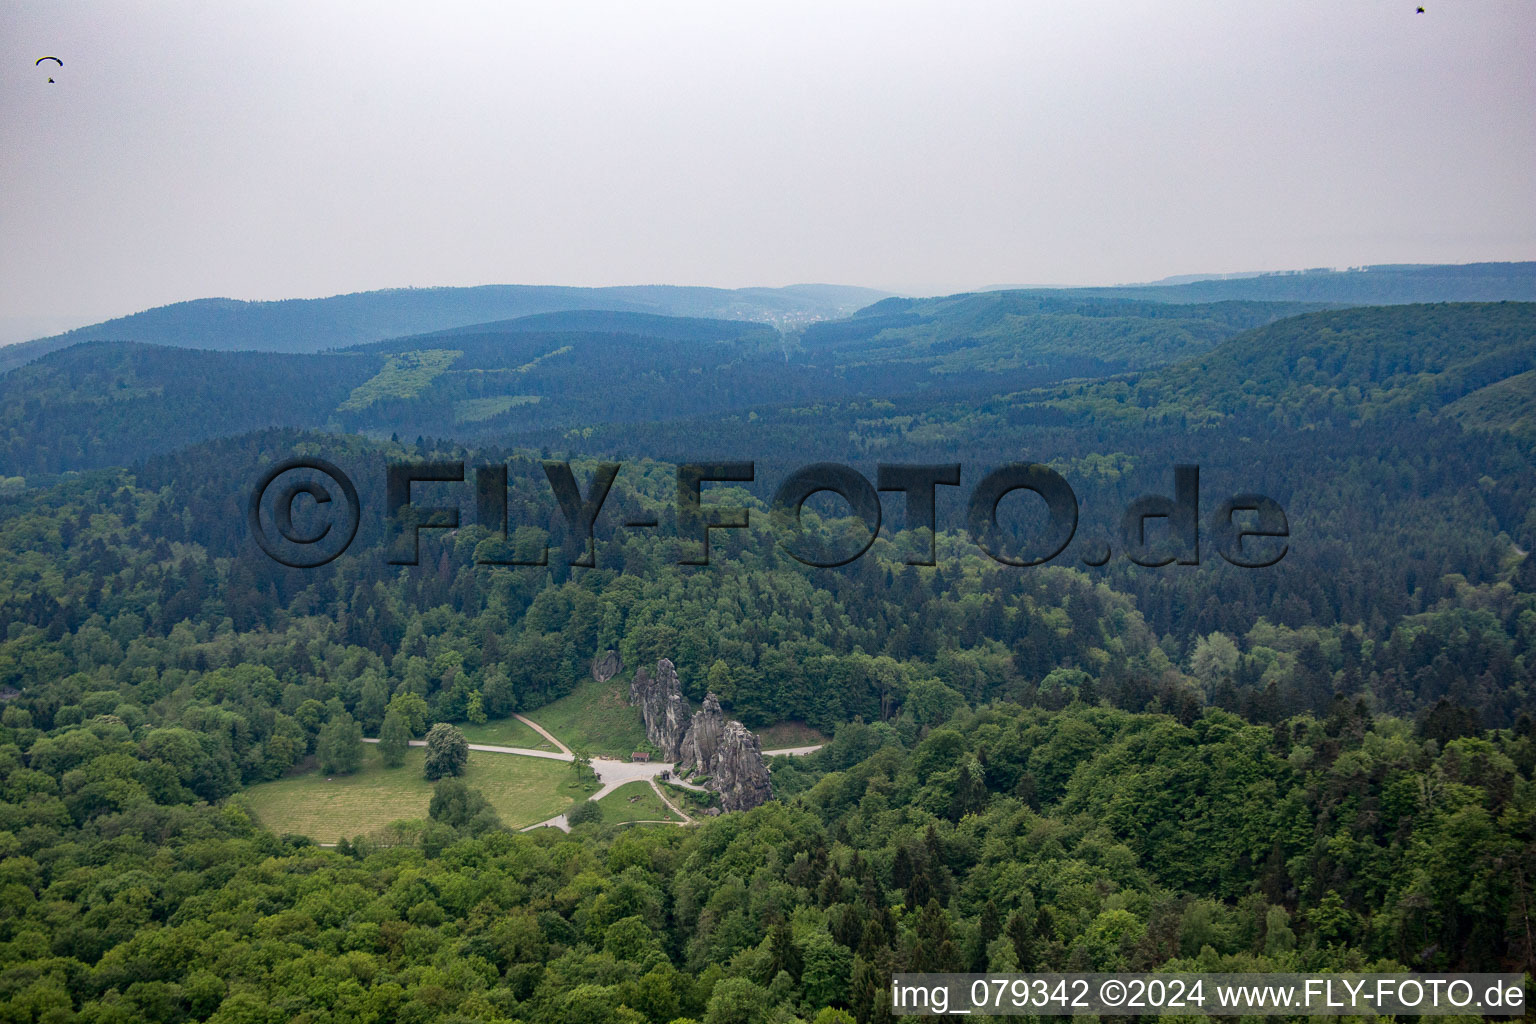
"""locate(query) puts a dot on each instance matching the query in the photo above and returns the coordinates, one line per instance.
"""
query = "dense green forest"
(1394, 499)
(1326, 764)
(992, 331)
(1005, 839)
(111, 403)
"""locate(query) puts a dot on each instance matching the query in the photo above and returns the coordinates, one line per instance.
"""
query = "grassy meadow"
(635, 801)
(506, 732)
(595, 717)
(789, 734)
(524, 790)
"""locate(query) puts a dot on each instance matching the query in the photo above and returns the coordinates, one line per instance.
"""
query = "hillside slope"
(314, 325)
(111, 403)
(1506, 405)
(568, 370)
(1389, 284)
(1349, 365)
(1007, 329)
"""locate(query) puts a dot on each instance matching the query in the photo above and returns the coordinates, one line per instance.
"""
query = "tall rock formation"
(662, 707)
(709, 745)
(703, 739)
(740, 775)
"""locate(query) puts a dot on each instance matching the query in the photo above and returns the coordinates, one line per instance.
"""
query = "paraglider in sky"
(54, 59)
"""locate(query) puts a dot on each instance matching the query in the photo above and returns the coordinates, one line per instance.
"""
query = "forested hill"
(1354, 420)
(163, 563)
(1387, 284)
(110, 403)
(1039, 781)
(314, 325)
(990, 331)
(599, 321)
(1470, 363)
(1352, 365)
(1507, 406)
(1007, 840)
(1322, 766)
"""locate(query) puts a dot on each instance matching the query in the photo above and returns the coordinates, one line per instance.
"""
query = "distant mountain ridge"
(1382, 285)
(341, 321)
(924, 367)
(1385, 284)
(591, 321)
(1437, 367)
(112, 402)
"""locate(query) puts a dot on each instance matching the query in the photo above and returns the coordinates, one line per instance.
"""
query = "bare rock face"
(729, 754)
(705, 744)
(703, 740)
(740, 775)
(606, 665)
(662, 707)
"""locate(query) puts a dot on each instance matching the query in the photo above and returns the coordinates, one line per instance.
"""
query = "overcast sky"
(272, 150)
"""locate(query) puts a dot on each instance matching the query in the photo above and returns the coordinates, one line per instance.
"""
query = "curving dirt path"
(793, 751)
(491, 748)
(671, 806)
(536, 727)
(611, 773)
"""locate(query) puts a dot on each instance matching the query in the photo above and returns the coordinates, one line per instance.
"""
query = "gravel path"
(611, 773)
(536, 727)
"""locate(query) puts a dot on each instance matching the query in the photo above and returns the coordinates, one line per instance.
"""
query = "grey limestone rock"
(740, 775)
(707, 744)
(662, 707)
(703, 740)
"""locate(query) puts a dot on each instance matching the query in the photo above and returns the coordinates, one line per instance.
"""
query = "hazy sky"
(271, 150)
